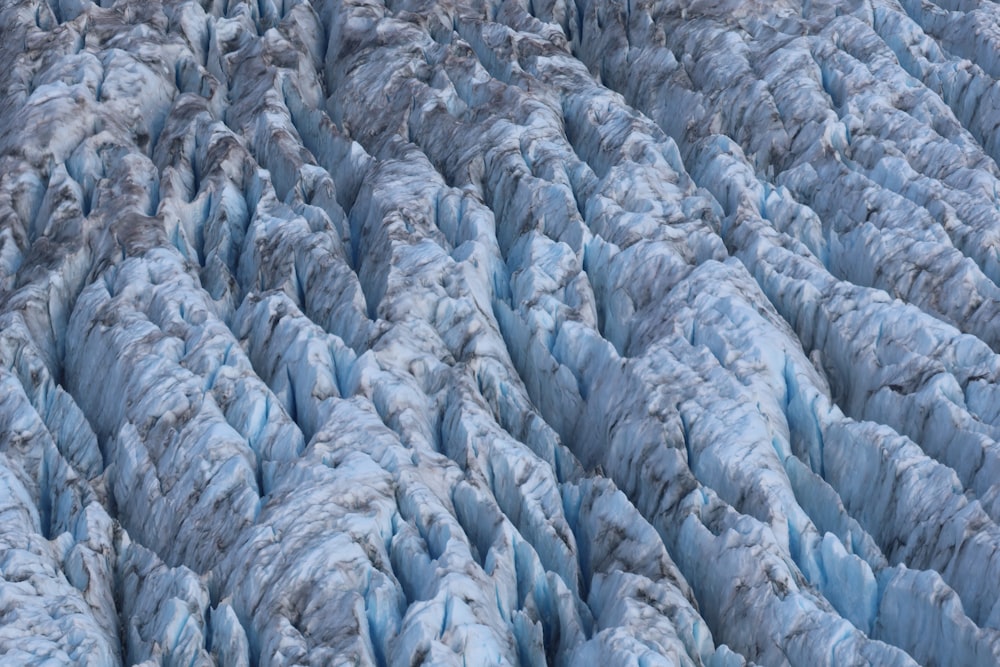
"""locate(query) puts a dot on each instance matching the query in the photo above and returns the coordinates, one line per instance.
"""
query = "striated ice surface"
(482, 332)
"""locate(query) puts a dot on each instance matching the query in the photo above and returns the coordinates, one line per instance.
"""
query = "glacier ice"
(499, 332)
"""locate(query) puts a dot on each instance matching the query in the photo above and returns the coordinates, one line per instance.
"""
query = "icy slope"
(588, 333)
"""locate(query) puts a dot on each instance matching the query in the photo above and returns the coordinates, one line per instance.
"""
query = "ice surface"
(481, 332)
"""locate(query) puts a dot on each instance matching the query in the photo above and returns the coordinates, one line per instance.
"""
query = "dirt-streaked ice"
(480, 332)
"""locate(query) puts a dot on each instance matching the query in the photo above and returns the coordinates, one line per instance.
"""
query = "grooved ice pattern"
(500, 332)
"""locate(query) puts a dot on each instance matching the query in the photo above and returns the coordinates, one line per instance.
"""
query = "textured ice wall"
(516, 332)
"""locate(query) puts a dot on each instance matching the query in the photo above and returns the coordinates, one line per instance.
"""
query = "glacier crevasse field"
(500, 332)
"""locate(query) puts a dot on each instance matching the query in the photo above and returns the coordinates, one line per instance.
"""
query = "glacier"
(500, 332)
